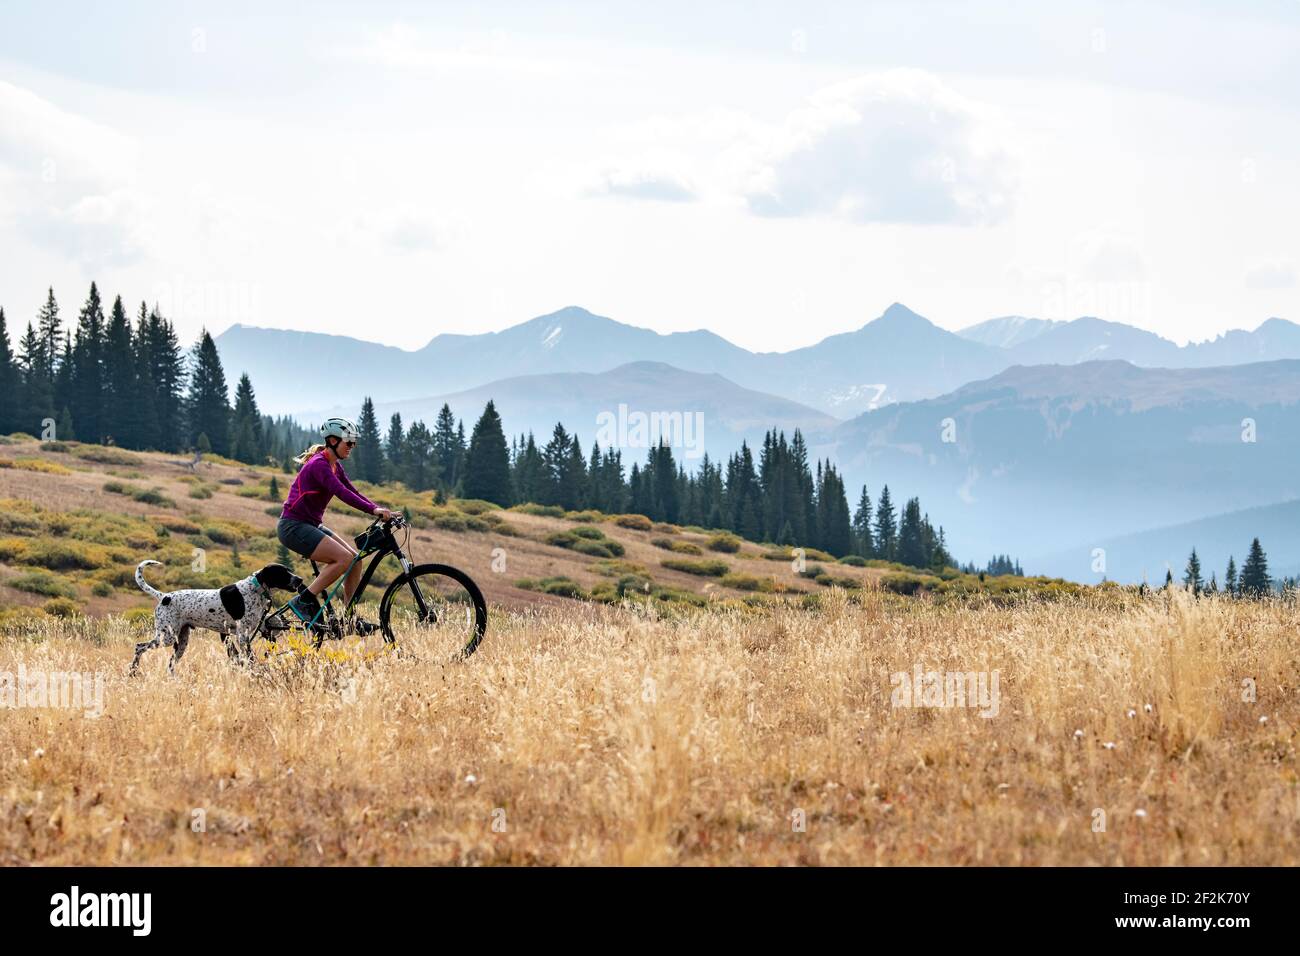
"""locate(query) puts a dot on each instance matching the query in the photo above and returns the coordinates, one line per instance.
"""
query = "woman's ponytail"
(307, 455)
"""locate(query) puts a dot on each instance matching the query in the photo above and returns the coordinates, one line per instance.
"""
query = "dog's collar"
(258, 583)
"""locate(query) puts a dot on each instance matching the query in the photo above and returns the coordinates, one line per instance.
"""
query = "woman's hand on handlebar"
(383, 514)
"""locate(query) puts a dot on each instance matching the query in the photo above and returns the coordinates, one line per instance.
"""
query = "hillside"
(76, 519)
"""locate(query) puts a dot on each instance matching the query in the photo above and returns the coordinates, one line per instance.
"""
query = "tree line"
(1253, 581)
(108, 380)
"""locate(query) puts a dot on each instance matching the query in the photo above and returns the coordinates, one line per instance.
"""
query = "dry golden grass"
(604, 735)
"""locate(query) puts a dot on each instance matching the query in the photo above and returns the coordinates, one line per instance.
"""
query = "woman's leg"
(354, 576)
(333, 557)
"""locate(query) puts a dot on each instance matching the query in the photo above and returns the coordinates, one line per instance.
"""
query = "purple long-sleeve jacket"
(317, 483)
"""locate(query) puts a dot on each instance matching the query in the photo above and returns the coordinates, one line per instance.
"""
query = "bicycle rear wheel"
(435, 610)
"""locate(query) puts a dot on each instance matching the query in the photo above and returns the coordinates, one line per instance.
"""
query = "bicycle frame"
(387, 545)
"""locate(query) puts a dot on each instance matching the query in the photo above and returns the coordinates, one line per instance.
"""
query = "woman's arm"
(329, 480)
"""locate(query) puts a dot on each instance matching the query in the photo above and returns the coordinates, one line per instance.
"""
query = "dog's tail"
(145, 586)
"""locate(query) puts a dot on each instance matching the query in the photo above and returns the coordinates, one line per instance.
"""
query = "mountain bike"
(433, 607)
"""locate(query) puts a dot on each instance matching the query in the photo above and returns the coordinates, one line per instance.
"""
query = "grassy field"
(595, 734)
(646, 694)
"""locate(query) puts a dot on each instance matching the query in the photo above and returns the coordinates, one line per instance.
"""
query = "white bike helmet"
(339, 428)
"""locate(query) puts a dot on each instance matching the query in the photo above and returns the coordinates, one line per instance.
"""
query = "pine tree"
(1230, 577)
(369, 453)
(88, 393)
(394, 449)
(1254, 573)
(36, 401)
(144, 400)
(445, 446)
(911, 547)
(422, 470)
(833, 526)
(246, 443)
(1192, 576)
(487, 464)
(49, 331)
(9, 382)
(886, 529)
(207, 404)
(555, 458)
(166, 362)
(121, 421)
(864, 542)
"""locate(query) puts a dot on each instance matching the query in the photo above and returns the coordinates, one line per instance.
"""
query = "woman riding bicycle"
(320, 479)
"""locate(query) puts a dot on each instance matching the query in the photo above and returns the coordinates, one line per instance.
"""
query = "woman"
(320, 479)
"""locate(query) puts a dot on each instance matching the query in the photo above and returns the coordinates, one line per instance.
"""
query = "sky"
(773, 172)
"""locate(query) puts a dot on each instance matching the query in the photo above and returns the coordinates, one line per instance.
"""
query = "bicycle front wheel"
(434, 609)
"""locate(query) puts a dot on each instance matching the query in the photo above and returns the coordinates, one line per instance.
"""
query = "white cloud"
(633, 183)
(1270, 274)
(893, 147)
(68, 180)
(401, 46)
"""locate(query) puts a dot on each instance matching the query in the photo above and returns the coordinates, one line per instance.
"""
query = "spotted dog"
(235, 610)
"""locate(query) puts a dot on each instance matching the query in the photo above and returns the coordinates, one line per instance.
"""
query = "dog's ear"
(233, 601)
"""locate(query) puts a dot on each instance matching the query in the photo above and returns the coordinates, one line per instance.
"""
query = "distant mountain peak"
(901, 313)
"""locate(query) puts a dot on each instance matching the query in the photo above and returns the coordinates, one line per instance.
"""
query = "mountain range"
(1040, 457)
(898, 357)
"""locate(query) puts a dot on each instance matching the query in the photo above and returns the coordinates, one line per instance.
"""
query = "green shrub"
(615, 568)
(474, 506)
(65, 556)
(748, 582)
(42, 582)
(595, 545)
(61, 607)
(152, 496)
(541, 511)
(595, 549)
(219, 535)
(726, 543)
(587, 515)
(632, 583)
(710, 569)
(635, 522)
(678, 547)
(903, 583)
(561, 586)
(200, 491)
(854, 561)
